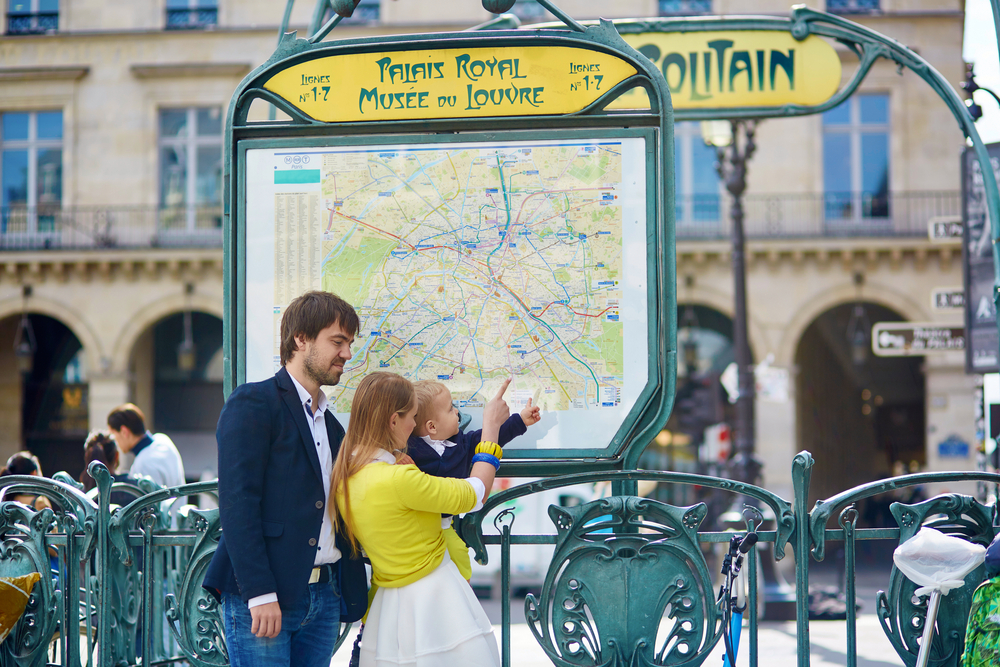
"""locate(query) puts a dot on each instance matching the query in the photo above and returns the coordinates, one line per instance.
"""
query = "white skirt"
(434, 622)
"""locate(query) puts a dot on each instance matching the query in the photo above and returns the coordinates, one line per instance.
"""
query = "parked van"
(528, 562)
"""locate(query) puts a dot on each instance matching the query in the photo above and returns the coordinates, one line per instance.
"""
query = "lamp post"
(24, 340)
(732, 169)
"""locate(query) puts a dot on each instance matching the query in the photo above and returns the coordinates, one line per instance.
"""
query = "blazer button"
(312, 541)
(319, 504)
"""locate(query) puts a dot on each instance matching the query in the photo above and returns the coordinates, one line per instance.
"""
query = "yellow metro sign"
(730, 69)
(449, 83)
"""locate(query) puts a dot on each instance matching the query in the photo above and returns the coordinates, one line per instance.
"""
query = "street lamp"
(187, 352)
(24, 340)
(732, 170)
(858, 327)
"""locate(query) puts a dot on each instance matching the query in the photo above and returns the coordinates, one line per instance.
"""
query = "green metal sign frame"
(654, 125)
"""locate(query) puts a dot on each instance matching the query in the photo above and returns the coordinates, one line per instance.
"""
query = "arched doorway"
(43, 393)
(176, 372)
(705, 349)
(859, 415)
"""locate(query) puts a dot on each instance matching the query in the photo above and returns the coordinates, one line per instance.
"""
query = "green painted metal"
(848, 521)
(599, 604)
(902, 618)
(801, 477)
(612, 549)
(825, 509)
(655, 125)
(471, 527)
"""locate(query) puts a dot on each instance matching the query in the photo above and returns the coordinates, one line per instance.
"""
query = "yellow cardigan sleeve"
(419, 491)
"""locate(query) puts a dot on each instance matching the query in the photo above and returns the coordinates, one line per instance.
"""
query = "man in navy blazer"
(285, 579)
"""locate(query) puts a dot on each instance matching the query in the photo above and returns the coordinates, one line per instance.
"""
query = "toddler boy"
(438, 448)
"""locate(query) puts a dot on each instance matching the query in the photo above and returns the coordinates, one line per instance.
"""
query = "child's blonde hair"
(427, 391)
(378, 397)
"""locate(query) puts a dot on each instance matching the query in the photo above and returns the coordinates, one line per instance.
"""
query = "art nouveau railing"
(629, 582)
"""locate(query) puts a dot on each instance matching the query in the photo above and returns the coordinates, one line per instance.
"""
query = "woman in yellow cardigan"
(424, 613)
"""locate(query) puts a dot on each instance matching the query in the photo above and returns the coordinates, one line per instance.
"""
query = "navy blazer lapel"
(291, 399)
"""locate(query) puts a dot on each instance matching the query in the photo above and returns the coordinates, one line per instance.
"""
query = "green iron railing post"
(503, 523)
(752, 596)
(147, 521)
(505, 592)
(848, 521)
(801, 472)
(105, 652)
(69, 573)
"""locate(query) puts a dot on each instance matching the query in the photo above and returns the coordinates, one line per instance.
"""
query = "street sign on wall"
(944, 229)
(983, 351)
(948, 298)
(908, 339)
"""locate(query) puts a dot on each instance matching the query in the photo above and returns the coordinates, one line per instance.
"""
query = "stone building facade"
(111, 117)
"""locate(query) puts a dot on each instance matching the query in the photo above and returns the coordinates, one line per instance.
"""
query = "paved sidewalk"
(776, 639)
(776, 646)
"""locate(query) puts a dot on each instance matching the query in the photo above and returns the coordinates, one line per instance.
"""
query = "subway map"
(472, 263)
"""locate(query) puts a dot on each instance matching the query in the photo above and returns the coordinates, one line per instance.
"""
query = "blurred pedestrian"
(26, 463)
(156, 456)
(100, 446)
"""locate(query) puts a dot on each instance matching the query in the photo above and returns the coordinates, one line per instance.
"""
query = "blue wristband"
(486, 458)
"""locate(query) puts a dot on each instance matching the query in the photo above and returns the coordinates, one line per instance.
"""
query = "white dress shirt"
(326, 550)
(438, 445)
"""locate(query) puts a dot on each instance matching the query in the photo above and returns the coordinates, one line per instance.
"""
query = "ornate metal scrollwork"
(901, 613)
(24, 550)
(628, 585)
(194, 616)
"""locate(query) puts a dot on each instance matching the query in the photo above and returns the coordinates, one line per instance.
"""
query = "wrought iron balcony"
(684, 7)
(192, 19)
(853, 6)
(699, 217)
(367, 11)
(103, 228)
(703, 217)
(32, 23)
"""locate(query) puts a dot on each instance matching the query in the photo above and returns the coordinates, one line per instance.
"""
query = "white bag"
(937, 562)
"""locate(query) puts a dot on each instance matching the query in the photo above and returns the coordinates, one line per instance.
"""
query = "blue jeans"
(308, 631)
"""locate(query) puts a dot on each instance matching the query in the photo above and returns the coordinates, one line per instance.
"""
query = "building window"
(30, 170)
(852, 6)
(26, 17)
(682, 7)
(367, 11)
(190, 168)
(192, 14)
(696, 182)
(856, 159)
(528, 10)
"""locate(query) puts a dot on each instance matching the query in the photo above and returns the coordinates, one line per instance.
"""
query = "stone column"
(776, 443)
(950, 415)
(106, 392)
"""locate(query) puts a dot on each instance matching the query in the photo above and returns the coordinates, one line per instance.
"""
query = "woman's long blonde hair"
(378, 397)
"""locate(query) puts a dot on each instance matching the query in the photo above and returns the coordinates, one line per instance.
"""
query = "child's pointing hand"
(531, 414)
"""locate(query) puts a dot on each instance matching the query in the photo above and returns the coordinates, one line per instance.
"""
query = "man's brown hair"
(309, 314)
(128, 415)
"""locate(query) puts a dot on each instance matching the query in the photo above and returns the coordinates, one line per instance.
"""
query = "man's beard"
(322, 376)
